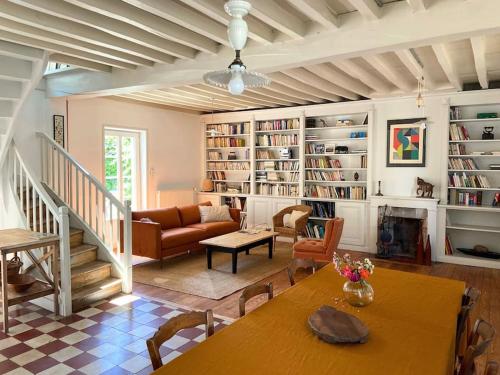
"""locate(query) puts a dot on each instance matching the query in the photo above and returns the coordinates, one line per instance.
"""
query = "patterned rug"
(189, 273)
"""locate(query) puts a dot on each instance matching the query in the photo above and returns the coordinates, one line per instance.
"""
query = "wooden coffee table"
(237, 242)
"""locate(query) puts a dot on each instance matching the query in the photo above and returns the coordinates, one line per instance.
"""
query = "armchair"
(321, 250)
(300, 224)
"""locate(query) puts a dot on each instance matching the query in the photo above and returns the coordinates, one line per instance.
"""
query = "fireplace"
(402, 233)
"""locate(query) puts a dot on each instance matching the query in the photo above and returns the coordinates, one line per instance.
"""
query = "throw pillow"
(286, 221)
(292, 218)
(146, 220)
(210, 214)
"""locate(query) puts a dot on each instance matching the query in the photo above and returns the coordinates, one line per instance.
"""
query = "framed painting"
(59, 133)
(406, 142)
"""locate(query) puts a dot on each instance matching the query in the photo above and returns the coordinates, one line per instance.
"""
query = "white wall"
(173, 139)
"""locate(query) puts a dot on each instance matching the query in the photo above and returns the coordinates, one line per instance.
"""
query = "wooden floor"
(487, 280)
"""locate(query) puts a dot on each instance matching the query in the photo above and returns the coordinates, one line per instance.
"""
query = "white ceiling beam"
(219, 92)
(151, 23)
(368, 9)
(444, 60)
(186, 17)
(414, 67)
(317, 11)
(294, 93)
(478, 44)
(396, 77)
(19, 51)
(74, 30)
(273, 14)
(5, 35)
(176, 108)
(418, 5)
(295, 84)
(10, 89)
(14, 69)
(74, 44)
(190, 93)
(354, 70)
(264, 98)
(75, 61)
(147, 99)
(116, 28)
(257, 31)
(277, 95)
(208, 106)
(180, 95)
(332, 74)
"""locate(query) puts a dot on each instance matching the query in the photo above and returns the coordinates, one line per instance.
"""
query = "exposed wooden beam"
(119, 29)
(295, 84)
(74, 44)
(74, 30)
(354, 70)
(396, 77)
(190, 93)
(5, 35)
(145, 100)
(334, 75)
(257, 31)
(179, 95)
(278, 95)
(19, 51)
(417, 5)
(185, 17)
(273, 14)
(317, 11)
(124, 12)
(368, 9)
(154, 105)
(444, 60)
(219, 92)
(169, 99)
(75, 61)
(478, 44)
(294, 93)
(417, 71)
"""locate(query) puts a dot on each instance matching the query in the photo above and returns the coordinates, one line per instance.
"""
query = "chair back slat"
(482, 336)
(253, 291)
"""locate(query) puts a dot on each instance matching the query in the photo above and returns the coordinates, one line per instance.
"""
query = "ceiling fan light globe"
(236, 85)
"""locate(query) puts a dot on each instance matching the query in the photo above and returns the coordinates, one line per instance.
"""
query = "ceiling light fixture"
(236, 78)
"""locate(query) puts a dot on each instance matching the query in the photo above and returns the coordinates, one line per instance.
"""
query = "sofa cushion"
(180, 236)
(309, 246)
(191, 214)
(167, 217)
(217, 228)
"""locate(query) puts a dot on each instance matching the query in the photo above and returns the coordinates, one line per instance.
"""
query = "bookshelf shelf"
(474, 170)
(276, 159)
(458, 207)
(336, 182)
(326, 128)
(472, 188)
(476, 141)
(474, 228)
(277, 131)
(334, 154)
(480, 120)
(335, 169)
(284, 146)
(223, 148)
(335, 140)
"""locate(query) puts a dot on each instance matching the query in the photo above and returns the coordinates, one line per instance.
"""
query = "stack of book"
(214, 155)
(336, 192)
(462, 164)
(230, 129)
(322, 209)
(465, 199)
(217, 175)
(243, 166)
(277, 140)
(364, 161)
(288, 124)
(457, 149)
(225, 142)
(472, 181)
(325, 176)
(281, 190)
(448, 248)
(315, 230)
(323, 163)
(458, 133)
(265, 154)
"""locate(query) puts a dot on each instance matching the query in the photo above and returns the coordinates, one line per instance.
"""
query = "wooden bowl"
(21, 282)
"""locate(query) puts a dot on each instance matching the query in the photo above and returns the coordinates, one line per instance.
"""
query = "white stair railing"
(100, 211)
(41, 214)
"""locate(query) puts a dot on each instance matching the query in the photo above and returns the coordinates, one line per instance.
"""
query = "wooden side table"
(21, 240)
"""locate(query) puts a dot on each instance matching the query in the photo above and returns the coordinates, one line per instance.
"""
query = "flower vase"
(358, 293)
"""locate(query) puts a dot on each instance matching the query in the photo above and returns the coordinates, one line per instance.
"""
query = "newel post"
(127, 248)
(65, 265)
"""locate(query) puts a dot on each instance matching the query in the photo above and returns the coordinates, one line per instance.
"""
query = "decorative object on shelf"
(357, 291)
(236, 78)
(285, 153)
(59, 131)
(337, 327)
(424, 189)
(487, 115)
(488, 133)
(406, 142)
(341, 150)
(379, 192)
(207, 185)
(496, 200)
(13, 266)
(356, 176)
(479, 251)
(21, 282)
(232, 156)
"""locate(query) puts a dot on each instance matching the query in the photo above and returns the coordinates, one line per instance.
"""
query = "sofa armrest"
(146, 239)
(235, 214)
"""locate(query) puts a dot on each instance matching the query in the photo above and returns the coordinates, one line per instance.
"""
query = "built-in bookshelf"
(473, 184)
(228, 157)
(277, 165)
(239, 203)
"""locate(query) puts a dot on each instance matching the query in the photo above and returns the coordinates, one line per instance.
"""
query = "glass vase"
(358, 293)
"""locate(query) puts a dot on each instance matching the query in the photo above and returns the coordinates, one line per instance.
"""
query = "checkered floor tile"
(107, 338)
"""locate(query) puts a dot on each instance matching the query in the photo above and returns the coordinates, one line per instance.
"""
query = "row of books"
(236, 202)
(364, 161)
(465, 164)
(325, 176)
(323, 163)
(465, 199)
(458, 133)
(471, 181)
(336, 192)
(315, 230)
(288, 124)
(232, 155)
(448, 247)
(225, 142)
(322, 209)
(278, 165)
(280, 190)
(229, 129)
(455, 113)
(276, 177)
(278, 140)
(270, 154)
(456, 149)
(228, 187)
(319, 148)
(216, 175)
(222, 165)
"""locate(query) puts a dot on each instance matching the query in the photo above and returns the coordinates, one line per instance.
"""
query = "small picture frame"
(406, 142)
(59, 130)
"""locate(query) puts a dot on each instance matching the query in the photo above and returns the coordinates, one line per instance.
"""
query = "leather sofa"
(175, 230)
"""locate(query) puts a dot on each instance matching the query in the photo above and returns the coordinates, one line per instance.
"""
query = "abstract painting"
(58, 123)
(406, 142)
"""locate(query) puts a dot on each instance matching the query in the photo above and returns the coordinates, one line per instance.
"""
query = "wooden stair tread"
(73, 231)
(83, 248)
(89, 267)
(100, 286)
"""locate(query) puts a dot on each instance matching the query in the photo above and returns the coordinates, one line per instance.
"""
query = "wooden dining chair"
(471, 296)
(174, 325)
(482, 336)
(462, 319)
(491, 368)
(297, 264)
(253, 291)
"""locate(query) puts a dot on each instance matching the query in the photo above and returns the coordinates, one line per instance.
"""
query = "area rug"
(189, 273)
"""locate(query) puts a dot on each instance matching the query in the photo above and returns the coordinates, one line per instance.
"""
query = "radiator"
(174, 197)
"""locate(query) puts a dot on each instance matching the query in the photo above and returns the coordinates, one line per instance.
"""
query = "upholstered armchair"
(300, 224)
(321, 250)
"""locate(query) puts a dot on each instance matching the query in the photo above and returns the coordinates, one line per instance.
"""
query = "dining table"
(411, 323)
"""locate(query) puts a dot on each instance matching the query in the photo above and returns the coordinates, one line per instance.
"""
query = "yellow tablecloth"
(412, 331)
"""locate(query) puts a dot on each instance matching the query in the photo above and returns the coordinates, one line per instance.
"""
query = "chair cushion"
(217, 229)
(215, 214)
(191, 214)
(309, 246)
(180, 236)
(167, 217)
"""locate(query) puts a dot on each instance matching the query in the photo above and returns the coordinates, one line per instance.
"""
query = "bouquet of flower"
(354, 270)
